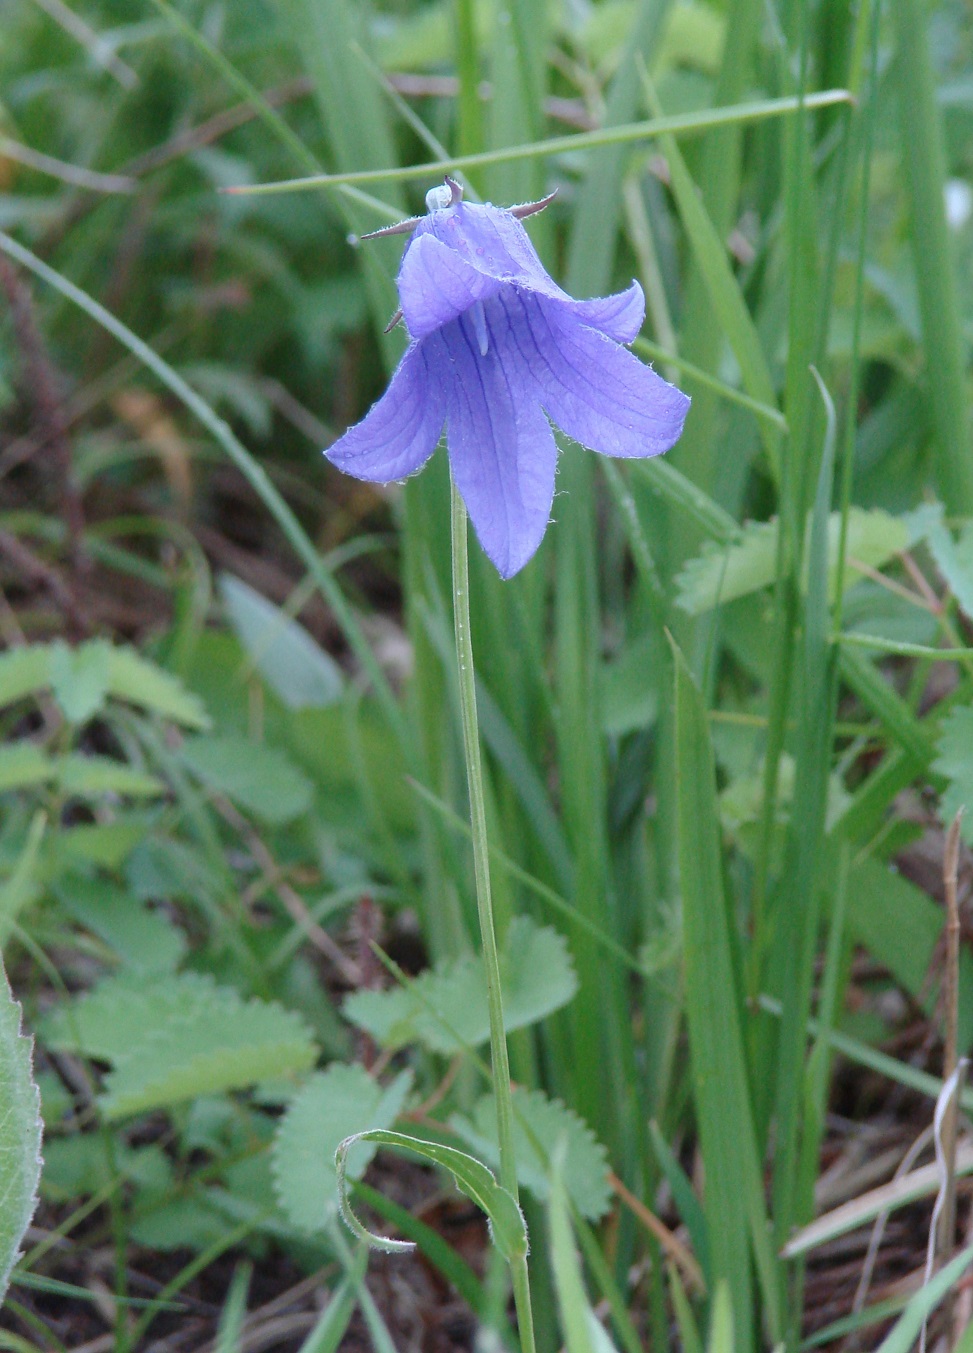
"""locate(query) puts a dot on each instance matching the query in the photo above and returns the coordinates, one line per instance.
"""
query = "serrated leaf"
(82, 678)
(720, 574)
(173, 1038)
(20, 1133)
(331, 1106)
(445, 1008)
(92, 775)
(237, 1044)
(954, 559)
(540, 1122)
(79, 679)
(282, 651)
(22, 764)
(132, 677)
(955, 761)
(260, 779)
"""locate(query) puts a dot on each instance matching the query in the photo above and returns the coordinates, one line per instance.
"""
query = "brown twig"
(672, 1247)
(293, 903)
(36, 570)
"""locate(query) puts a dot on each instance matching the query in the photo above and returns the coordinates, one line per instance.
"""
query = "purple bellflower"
(496, 349)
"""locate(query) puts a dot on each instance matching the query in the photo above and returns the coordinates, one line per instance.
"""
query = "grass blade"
(734, 1190)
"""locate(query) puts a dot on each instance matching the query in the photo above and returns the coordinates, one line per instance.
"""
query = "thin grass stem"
(484, 902)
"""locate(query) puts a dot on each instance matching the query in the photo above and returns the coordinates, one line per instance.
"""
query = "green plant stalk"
(924, 163)
(484, 904)
(688, 124)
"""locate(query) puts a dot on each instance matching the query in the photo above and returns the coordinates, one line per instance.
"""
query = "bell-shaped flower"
(497, 349)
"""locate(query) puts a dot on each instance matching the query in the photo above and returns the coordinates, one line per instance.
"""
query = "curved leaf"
(507, 1226)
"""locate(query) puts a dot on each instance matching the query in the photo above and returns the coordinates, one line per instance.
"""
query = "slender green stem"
(484, 903)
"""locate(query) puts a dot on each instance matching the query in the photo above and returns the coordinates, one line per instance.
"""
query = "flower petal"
(501, 449)
(619, 317)
(594, 390)
(493, 241)
(436, 284)
(399, 433)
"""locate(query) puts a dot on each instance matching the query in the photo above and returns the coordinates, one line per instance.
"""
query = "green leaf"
(331, 1106)
(260, 779)
(22, 765)
(89, 776)
(955, 761)
(79, 679)
(734, 1185)
(174, 1038)
(24, 671)
(446, 1007)
(82, 678)
(20, 1133)
(954, 559)
(22, 885)
(539, 1122)
(903, 1333)
(583, 1331)
(507, 1227)
(720, 575)
(282, 651)
(144, 938)
(132, 677)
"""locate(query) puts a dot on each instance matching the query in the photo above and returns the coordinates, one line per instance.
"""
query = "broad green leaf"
(900, 925)
(24, 671)
(105, 843)
(89, 776)
(507, 1227)
(143, 937)
(332, 1105)
(80, 679)
(23, 764)
(955, 761)
(238, 1044)
(260, 779)
(20, 1133)
(539, 1123)
(445, 1008)
(281, 650)
(132, 677)
(719, 575)
(175, 1037)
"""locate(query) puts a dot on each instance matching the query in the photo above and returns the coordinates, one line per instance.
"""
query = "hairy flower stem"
(484, 902)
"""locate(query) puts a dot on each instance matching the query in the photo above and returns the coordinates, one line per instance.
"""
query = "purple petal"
(436, 284)
(619, 317)
(399, 433)
(594, 390)
(501, 450)
(493, 242)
